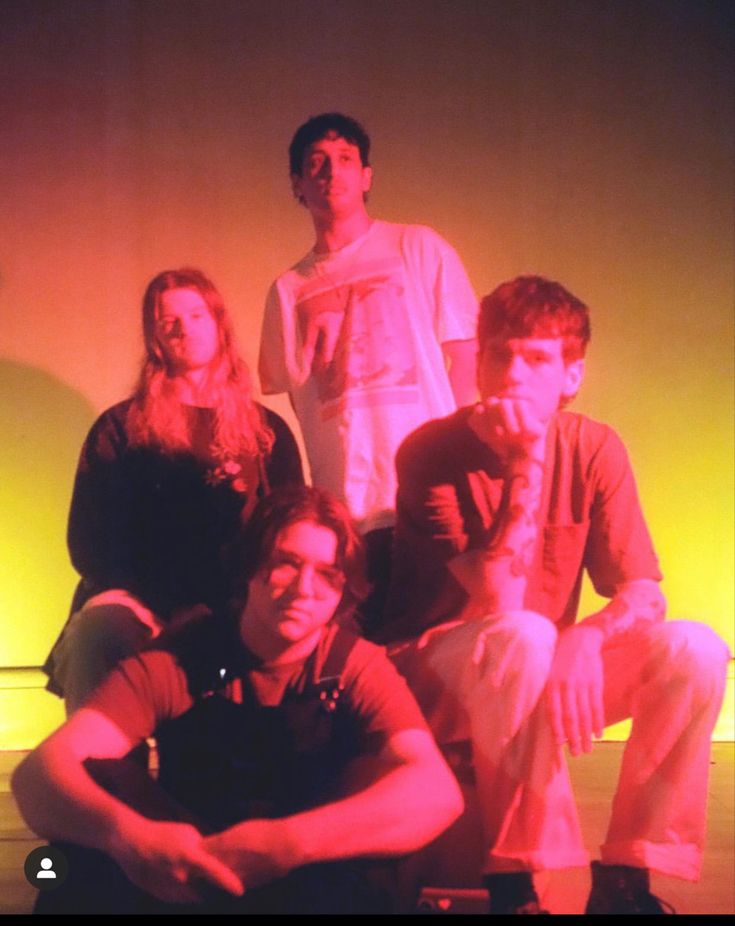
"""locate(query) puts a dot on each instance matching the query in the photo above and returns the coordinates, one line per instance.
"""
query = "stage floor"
(564, 892)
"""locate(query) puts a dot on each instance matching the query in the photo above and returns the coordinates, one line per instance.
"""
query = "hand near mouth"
(510, 427)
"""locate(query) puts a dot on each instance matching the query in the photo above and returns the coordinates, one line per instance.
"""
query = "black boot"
(513, 893)
(621, 890)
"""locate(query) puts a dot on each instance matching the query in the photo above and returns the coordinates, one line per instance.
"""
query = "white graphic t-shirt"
(355, 338)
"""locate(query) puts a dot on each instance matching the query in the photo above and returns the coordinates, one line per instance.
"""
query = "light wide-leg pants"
(483, 681)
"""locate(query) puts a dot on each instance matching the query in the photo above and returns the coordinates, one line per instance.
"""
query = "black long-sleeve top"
(159, 524)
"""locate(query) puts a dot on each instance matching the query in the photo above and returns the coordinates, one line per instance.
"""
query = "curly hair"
(534, 307)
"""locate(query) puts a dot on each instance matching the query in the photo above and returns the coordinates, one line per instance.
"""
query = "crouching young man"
(290, 748)
(501, 508)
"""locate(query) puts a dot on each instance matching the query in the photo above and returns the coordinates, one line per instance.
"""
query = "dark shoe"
(621, 890)
(513, 894)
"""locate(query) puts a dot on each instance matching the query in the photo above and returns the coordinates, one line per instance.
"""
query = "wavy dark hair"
(156, 417)
(321, 126)
(290, 505)
(534, 307)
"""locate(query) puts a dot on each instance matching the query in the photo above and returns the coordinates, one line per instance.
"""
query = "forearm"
(392, 808)
(56, 795)
(461, 357)
(399, 813)
(59, 800)
(638, 602)
(497, 576)
(463, 381)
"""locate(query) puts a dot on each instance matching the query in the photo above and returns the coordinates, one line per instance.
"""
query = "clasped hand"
(258, 850)
(167, 859)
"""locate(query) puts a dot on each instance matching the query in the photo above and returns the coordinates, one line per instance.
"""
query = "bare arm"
(638, 602)
(496, 577)
(461, 357)
(59, 800)
(57, 797)
(402, 800)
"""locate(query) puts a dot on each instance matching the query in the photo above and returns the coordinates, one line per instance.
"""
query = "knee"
(95, 641)
(529, 642)
(108, 633)
(694, 651)
(530, 631)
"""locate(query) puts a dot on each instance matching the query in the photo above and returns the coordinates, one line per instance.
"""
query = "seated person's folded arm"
(59, 800)
(410, 797)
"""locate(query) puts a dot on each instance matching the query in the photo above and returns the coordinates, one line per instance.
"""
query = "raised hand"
(510, 427)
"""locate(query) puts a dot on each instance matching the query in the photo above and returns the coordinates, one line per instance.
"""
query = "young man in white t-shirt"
(371, 334)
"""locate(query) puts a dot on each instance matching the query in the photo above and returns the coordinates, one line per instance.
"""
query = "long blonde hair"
(157, 418)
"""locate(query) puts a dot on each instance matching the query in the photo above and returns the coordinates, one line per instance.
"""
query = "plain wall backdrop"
(591, 142)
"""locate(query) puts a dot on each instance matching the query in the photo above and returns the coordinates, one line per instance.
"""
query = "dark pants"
(96, 885)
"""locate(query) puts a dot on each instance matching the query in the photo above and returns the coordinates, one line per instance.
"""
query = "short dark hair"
(289, 505)
(321, 126)
(534, 307)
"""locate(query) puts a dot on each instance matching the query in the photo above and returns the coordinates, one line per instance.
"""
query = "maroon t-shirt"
(151, 687)
(450, 486)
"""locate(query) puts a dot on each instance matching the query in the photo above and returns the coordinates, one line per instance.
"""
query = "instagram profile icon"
(46, 868)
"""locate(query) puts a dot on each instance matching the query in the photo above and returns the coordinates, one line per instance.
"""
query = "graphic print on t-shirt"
(355, 338)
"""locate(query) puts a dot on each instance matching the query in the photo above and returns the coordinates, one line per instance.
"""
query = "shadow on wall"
(43, 423)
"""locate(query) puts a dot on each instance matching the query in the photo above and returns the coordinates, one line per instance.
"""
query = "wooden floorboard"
(16, 841)
(564, 892)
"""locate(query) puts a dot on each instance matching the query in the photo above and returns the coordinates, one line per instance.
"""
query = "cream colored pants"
(482, 681)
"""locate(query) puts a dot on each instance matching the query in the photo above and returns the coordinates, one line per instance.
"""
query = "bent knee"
(529, 630)
(528, 640)
(96, 639)
(109, 632)
(695, 651)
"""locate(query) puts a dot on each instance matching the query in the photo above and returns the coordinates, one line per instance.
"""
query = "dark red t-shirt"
(151, 687)
(450, 486)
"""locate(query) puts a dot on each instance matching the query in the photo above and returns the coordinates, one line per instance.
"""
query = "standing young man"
(502, 507)
(371, 333)
(289, 748)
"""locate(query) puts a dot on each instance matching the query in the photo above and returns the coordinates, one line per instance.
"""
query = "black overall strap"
(228, 759)
(330, 683)
(336, 661)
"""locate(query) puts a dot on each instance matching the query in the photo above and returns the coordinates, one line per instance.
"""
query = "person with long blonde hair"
(164, 482)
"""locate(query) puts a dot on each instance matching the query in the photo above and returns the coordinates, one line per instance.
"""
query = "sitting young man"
(501, 507)
(289, 743)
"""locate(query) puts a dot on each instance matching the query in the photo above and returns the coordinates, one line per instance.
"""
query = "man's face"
(333, 181)
(296, 592)
(529, 370)
(186, 331)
